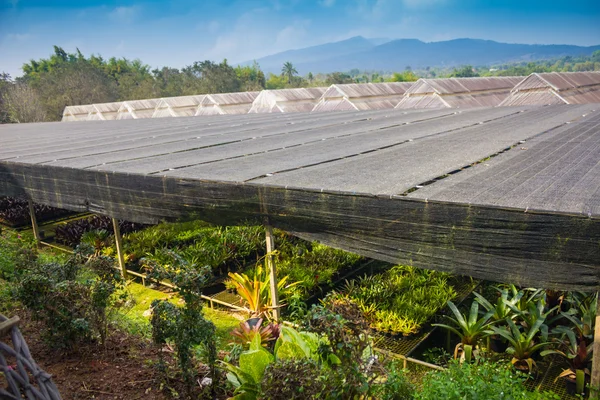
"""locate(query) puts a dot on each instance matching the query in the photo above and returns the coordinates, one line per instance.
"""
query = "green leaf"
(289, 350)
(254, 362)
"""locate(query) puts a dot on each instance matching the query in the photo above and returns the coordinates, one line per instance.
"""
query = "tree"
(73, 84)
(406, 76)
(338, 78)
(464, 72)
(288, 70)
(23, 104)
(5, 83)
(251, 77)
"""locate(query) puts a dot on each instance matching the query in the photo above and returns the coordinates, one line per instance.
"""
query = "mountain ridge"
(395, 55)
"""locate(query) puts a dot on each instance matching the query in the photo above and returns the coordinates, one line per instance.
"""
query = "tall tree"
(288, 70)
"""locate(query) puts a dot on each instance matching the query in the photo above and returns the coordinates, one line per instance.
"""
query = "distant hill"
(395, 55)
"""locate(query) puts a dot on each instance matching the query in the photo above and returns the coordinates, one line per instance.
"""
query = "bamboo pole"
(271, 267)
(34, 224)
(118, 241)
(595, 384)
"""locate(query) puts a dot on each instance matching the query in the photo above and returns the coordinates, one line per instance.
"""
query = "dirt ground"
(125, 368)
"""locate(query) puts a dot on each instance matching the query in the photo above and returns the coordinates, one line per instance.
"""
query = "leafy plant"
(72, 309)
(523, 345)
(401, 299)
(574, 351)
(485, 380)
(256, 292)
(469, 328)
(185, 326)
(244, 334)
(291, 345)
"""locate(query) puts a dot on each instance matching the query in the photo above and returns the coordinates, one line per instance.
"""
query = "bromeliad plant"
(256, 292)
(575, 352)
(244, 334)
(523, 344)
(471, 329)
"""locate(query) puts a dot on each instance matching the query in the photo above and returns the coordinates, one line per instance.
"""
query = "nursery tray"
(546, 379)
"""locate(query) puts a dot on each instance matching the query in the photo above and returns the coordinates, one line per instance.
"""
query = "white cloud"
(19, 37)
(213, 27)
(258, 33)
(123, 14)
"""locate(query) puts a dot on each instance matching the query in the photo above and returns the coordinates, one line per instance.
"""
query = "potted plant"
(577, 355)
(522, 345)
(469, 328)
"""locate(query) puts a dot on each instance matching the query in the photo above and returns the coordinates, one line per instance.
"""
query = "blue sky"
(176, 33)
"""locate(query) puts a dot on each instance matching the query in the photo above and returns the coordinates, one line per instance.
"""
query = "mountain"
(316, 54)
(396, 55)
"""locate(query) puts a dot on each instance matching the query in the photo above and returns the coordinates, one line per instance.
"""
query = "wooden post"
(595, 383)
(34, 225)
(119, 243)
(272, 276)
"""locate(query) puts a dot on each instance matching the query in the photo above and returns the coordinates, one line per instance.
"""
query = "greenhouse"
(287, 100)
(226, 103)
(354, 96)
(137, 109)
(556, 88)
(182, 106)
(458, 92)
(77, 113)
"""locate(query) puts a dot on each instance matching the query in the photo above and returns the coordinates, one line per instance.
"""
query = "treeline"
(48, 85)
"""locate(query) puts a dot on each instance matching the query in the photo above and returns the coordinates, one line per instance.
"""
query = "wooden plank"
(272, 275)
(595, 384)
(118, 241)
(34, 224)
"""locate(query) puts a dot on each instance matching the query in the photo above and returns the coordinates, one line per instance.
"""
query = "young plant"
(523, 345)
(470, 329)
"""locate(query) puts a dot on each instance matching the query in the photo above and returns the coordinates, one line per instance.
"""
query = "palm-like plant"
(523, 345)
(583, 315)
(469, 328)
(289, 71)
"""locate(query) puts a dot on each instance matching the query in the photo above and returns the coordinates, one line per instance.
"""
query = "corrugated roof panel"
(357, 90)
(582, 95)
(544, 97)
(375, 103)
(230, 98)
(462, 85)
(182, 106)
(339, 104)
(570, 80)
(410, 102)
(286, 100)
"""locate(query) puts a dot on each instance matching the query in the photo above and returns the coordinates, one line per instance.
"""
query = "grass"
(136, 320)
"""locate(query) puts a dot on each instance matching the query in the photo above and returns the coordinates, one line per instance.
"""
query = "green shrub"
(486, 380)
(72, 308)
(184, 326)
(295, 379)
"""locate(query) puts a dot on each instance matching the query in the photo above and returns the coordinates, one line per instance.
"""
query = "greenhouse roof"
(556, 88)
(510, 194)
(458, 92)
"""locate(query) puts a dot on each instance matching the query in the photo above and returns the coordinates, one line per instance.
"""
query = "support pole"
(119, 243)
(34, 225)
(271, 267)
(595, 384)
